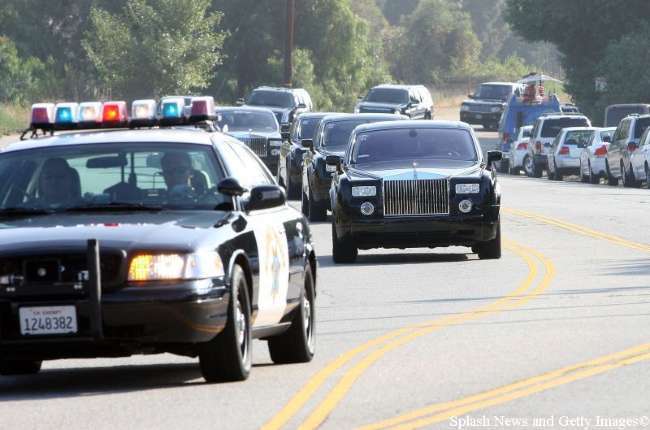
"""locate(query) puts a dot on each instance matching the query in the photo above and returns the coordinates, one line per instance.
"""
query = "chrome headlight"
(464, 108)
(275, 142)
(364, 191)
(468, 188)
(167, 267)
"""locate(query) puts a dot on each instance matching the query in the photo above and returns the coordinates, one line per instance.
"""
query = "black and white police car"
(118, 242)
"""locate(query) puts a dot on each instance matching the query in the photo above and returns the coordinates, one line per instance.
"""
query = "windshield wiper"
(114, 206)
(18, 211)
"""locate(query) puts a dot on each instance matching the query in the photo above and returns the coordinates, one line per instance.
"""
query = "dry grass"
(13, 118)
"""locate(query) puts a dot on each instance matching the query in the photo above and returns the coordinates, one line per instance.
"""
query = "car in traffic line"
(615, 113)
(564, 154)
(488, 102)
(545, 130)
(292, 151)
(285, 103)
(624, 143)
(515, 158)
(330, 139)
(410, 184)
(413, 101)
(150, 241)
(640, 160)
(592, 157)
(256, 127)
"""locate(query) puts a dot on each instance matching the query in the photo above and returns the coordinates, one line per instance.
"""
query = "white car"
(592, 157)
(563, 158)
(519, 148)
(640, 159)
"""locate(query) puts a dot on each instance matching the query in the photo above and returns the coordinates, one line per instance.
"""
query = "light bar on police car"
(114, 114)
(42, 116)
(65, 116)
(202, 108)
(143, 113)
(171, 111)
(90, 114)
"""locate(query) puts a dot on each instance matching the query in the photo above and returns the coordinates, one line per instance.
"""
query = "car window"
(623, 129)
(388, 95)
(579, 138)
(271, 98)
(640, 125)
(494, 92)
(413, 144)
(180, 175)
(552, 126)
(308, 127)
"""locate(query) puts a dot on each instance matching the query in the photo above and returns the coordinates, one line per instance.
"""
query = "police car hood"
(414, 169)
(166, 230)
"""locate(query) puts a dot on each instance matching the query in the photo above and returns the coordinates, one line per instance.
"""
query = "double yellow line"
(525, 292)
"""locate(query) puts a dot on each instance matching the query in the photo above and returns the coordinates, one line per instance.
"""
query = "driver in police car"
(178, 173)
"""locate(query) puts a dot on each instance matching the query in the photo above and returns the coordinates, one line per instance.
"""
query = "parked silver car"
(518, 149)
(564, 154)
(592, 157)
(640, 160)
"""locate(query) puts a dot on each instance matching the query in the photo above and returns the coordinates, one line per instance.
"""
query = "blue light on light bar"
(170, 110)
(63, 115)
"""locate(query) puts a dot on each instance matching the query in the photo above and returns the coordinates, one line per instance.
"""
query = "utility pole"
(288, 50)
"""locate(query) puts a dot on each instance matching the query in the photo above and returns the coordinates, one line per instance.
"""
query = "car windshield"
(616, 113)
(552, 127)
(579, 138)
(495, 92)
(413, 144)
(111, 175)
(337, 134)
(388, 95)
(271, 98)
(640, 126)
(308, 127)
(246, 120)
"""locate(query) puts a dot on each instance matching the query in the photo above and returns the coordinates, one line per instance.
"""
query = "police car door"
(280, 250)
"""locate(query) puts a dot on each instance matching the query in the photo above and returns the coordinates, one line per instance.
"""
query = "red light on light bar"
(202, 108)
(114, 113)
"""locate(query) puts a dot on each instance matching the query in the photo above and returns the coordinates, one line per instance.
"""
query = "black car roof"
(407, 124)
(349, 116)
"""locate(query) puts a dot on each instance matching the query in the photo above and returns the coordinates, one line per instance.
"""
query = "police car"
(118, 242)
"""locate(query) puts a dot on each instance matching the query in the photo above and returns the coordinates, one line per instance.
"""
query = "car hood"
(244, 134)
(493, 102)
(420, 169)
(385, 107)
(168, 230)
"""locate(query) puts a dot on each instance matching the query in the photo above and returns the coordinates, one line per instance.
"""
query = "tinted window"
(552, 127)
(271, 98)
(526, 132)
(413, 144)
(182, 176)
(337, 134)
(243, 120)
(388, 95)
(308, 127)
(254, 172)
(496, 92)
(604, 134)
(640, 126)
(578, 137)
(616, 114)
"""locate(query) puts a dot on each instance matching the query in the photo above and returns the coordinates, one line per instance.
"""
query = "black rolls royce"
(330, 139)
(411, 184)
(147, 241)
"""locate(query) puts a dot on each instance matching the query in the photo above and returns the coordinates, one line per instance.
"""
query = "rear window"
(580, 138)
(308, 127)
(640, 126)
(614, 115)
(552, 127)
(388, 95)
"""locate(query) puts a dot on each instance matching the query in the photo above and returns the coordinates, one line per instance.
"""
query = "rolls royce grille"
(257, 144)
(416, 197)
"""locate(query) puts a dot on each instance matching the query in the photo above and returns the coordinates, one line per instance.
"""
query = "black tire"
(343, 249)
(293, 189)
(428, 115)
(491, 250)
(297, 344)
(628, 177)
(583, 178)
(611, 180)
(593, 179)
(558, 174)
(20, 367)
(317, 211)
(647, 175)
(514, 171)
(227, 357)
(529, 166)
(537, 171)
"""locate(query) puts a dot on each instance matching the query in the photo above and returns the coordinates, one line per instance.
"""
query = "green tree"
(21, 78)
(154, 47)
(395, 10)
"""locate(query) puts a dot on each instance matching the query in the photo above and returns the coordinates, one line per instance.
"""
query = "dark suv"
(487, 104)
(285, 103)
(413, 101)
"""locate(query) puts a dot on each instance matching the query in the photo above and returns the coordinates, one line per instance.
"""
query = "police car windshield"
(271, 98)
(246, 120)
(337, 134)
(413, 144)
(388, 95)
(111, 175)
(494, 92)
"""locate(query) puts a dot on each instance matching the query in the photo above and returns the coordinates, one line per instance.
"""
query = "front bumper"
(419, 232)
(134, 320)
(480, 117)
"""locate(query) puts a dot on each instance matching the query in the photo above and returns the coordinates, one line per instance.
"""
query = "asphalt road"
(557, 333)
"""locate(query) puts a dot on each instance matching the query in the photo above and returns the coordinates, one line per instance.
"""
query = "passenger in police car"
(58, 184)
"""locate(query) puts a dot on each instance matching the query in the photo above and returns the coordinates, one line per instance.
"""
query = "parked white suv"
(545, 130)
(624, 143)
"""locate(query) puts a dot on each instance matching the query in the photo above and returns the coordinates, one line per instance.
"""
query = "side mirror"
(230, 187)
(266, 197)
(494, 156)
(240, 102)
(302, 106)
(333, 163)
(307, 143)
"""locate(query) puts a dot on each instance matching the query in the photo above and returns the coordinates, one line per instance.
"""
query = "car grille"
(480, 108)
(416, 197)
(259, 145)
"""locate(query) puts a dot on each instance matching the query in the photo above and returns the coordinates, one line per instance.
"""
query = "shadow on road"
(392, 259)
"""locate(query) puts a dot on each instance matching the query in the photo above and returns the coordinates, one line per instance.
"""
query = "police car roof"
(410, 124)
(166, 135)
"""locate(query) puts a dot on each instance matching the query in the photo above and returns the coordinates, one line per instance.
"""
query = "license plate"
(479, 116)
(44, 320)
